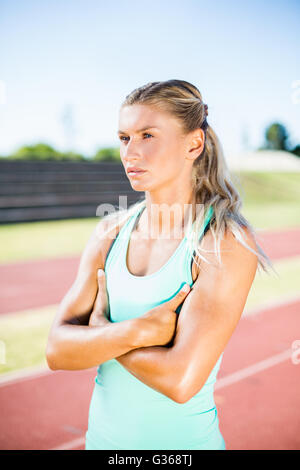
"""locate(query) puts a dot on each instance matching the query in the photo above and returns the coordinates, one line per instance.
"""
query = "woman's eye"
(124, 138)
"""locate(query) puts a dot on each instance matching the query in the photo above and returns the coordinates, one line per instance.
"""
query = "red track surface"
(46, 282)
(43, 283)
(262, 410)
(280, 243)
(258, 411)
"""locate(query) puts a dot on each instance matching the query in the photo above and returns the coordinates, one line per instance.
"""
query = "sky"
(67, 65)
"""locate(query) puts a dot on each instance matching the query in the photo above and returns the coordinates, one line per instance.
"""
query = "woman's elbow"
(53, 352)
(51, 355)
(179, 394)
(183, 392)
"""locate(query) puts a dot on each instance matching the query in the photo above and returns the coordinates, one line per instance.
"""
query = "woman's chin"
(137, 186)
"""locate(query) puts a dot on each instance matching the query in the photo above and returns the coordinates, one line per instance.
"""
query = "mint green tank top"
(124, 412)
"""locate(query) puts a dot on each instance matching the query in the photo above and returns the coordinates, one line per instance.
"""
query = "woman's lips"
(136, 173)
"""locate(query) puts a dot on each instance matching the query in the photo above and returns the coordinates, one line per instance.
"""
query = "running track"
(258, 406)
(257, 391)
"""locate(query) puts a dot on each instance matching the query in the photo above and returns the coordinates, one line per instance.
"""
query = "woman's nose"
(131, 150)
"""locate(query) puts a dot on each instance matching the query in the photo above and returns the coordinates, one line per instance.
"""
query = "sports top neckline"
(129, 229)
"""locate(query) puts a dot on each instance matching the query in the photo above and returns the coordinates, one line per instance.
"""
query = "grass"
(273, 216)
(270, 200)
(269, 288)
(268, 187)
(24, 334)
(51, 239)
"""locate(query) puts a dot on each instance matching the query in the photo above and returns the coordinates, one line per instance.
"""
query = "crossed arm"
(206, 322)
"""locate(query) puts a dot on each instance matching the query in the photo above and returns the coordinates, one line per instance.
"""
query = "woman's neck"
(165, 220)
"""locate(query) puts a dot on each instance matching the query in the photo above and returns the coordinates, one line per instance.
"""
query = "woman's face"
(151, 140)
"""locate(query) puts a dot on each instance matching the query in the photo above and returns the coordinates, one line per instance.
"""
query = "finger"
(101, 281)
(102, 287)
(180, 296)
(101, 277)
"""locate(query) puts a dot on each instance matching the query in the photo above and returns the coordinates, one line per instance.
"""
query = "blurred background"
(65, 68)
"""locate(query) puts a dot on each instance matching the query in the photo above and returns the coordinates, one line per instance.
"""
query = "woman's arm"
(206, 322)
(74, 344)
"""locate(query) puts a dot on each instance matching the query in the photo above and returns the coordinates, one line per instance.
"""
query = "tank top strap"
(121, 237)
(207, 218)
(205, 227)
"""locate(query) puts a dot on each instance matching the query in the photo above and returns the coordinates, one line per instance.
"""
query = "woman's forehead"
(140, 117)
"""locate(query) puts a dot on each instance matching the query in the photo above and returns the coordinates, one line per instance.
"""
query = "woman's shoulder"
(233, 247)
(101, 239)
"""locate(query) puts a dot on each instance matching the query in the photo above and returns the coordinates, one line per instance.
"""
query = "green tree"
(39, 151)
(42, 151)
(72, 156)
(296, 150)
(108, 154)
(276, 137)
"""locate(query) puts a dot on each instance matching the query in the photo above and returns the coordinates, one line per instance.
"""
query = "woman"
(159, 348)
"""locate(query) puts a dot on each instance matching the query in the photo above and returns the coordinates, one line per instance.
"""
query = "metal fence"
(32, 191)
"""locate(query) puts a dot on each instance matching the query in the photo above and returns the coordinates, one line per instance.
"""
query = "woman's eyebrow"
(139, 130)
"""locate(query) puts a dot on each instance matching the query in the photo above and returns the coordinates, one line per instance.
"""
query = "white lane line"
(24, 374)
(71, 444)
(253, 369)
(221, 383)
(270, 305)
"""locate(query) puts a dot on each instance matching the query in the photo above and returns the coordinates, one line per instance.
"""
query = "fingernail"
(186, 288)
(100, 272)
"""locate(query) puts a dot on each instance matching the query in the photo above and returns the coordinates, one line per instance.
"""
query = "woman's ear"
(195, 144)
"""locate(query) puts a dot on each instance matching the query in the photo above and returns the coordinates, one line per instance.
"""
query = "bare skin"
(76, 341)
(82, 336)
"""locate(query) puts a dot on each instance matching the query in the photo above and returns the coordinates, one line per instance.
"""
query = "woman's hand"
(99, 315)
(158, 325)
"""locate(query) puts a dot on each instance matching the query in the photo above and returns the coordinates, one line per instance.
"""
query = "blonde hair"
(212, 183)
